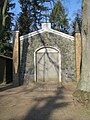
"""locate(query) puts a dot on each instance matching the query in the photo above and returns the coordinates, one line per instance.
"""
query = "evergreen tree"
(58, 18)
(31, 15)
(24, 20)
(78, 19)
(37, 9)
(6, 17)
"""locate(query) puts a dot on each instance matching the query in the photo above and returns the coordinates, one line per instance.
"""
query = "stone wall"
(28, 47)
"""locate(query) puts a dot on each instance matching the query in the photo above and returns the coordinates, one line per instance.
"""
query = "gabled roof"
(46, 27)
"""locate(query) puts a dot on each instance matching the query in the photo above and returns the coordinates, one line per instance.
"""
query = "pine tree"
(78, 19)
(58, 18)
(31, 15)
(37, 7)
(24, 20)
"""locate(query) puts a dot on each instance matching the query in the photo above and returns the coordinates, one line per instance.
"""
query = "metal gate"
(47, 65)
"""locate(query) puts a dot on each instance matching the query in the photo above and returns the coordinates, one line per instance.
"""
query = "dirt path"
(40, 102)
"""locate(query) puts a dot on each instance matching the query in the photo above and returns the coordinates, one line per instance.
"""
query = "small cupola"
(46, 26)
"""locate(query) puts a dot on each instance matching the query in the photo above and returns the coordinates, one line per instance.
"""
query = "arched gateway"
(47, 61)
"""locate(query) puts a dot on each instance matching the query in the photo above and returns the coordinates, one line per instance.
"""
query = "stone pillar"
(16, 58)
(77, 52)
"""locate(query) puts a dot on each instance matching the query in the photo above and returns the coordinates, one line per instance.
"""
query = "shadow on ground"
(44, 111)
(6, 87)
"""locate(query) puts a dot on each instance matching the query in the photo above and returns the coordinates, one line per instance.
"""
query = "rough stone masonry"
(47, 37)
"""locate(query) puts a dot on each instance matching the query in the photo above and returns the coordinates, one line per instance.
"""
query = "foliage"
(78, 19)
(37, 9)
(31, 15)
(6, 23)
(6, 49)
(24, 17)
(58, 18)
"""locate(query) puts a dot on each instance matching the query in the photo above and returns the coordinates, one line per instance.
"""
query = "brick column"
(16, 58)
(77, 52)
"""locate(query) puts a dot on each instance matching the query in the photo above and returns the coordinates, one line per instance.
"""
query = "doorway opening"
(47, 62)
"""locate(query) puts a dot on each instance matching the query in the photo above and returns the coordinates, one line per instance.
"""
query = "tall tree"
(6, 17)
(78, 19)
(83, 88)
(31, 15)
(3, 15)
(24, 20)
(37, 8)
(58, 18)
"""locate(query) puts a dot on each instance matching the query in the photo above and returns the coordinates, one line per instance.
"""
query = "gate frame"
(35, 64)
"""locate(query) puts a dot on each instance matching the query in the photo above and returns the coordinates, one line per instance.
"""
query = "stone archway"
(47, 61)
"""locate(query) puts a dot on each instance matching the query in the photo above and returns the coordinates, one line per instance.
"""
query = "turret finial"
(76, 27)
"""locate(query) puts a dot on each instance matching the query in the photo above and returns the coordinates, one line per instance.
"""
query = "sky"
(71, 7)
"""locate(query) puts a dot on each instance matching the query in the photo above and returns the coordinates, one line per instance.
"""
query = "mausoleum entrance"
(47, 64)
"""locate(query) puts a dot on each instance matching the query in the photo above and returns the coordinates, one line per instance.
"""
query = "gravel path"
(40, 102)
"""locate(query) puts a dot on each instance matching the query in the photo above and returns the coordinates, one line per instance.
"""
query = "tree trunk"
(4, 16)
(83, 88)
